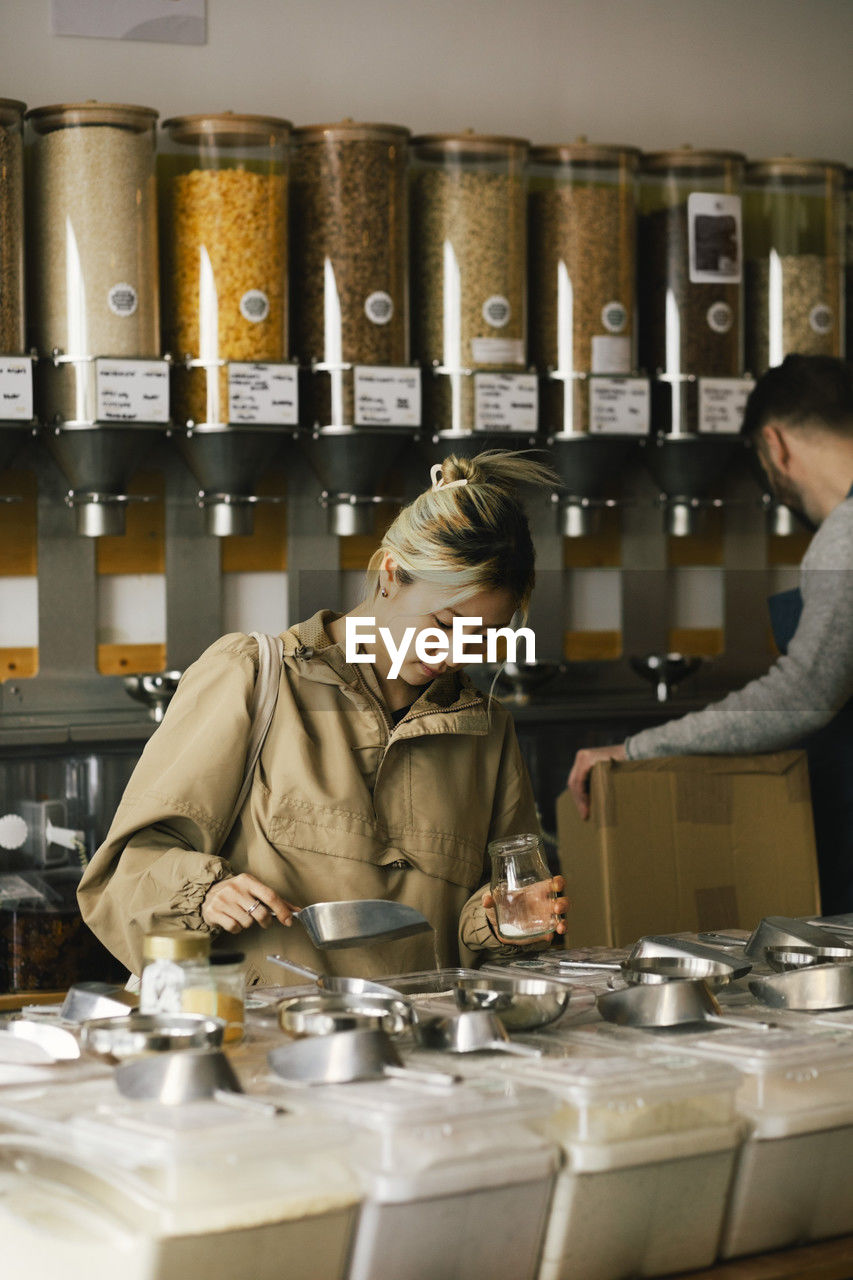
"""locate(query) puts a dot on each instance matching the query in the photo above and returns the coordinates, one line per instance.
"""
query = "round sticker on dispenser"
(254, 306)
(122, 299)
(614, 317)
(497, 311)
(720, 317)
(821, 319)
(379, 307)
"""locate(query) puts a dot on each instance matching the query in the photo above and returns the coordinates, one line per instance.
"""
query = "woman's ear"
(387, 575)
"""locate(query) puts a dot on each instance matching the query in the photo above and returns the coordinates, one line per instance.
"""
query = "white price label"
(16, 389)
(497, 351)
(721, 404)
(506, 402)
(610, 354)
(713, 233)
(263, 393)
(132, 390)
(386, 396)
(619, 406)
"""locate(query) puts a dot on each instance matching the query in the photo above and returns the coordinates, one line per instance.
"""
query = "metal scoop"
(87, 1000)
(671, 1004)
(187, 1075)
(784, 958)
(823, 986)
(657, 969)
(349, 924)
(345, 1056)
(774, 931)
(470, 1031)
(330, 982)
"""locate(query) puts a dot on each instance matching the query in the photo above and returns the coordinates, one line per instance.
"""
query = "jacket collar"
(311, 652)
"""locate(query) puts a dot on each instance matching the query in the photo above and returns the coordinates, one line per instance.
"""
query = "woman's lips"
(429, 671)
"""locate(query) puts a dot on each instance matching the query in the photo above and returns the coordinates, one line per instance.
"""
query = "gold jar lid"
(351, 131)
(11, 111)
(687, 158)
(64, 115)
(183, 944)
(582, 152)
(471, 145)
(793, 167)
(228, 129)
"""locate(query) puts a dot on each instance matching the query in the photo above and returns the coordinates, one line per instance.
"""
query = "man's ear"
(774, 443)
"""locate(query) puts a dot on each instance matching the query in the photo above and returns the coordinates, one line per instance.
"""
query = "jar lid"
(228, 129)
(176, 944)
(792, 167)
(227, 957)
(469, 143)
(686, 158)
(351, 131)
(64, 114)
(11, 111)
(582, 152)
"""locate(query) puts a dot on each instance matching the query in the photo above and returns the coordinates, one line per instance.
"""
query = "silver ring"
(253, 908)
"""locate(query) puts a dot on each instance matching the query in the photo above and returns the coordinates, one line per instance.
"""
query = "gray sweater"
(804, 689)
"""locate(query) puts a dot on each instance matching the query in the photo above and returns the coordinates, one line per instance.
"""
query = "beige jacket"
(343, 806)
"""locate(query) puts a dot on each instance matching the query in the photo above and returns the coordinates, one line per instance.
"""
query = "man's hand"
(579, 776)
(241, 901)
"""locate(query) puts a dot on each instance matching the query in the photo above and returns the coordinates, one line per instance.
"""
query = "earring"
(384, 593)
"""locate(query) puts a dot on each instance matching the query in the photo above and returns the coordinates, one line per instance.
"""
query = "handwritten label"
(618, 406)
(721, 404)
(506, 402)
(267, 394)
(386, 396)
(132, 390)
(16, 389)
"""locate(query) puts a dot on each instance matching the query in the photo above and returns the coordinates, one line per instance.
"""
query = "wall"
(762, 76)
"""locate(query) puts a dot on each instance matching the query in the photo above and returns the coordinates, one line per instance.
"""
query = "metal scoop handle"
(511, 1046)
(743, 1024)
(303, 969)
(418, 1076)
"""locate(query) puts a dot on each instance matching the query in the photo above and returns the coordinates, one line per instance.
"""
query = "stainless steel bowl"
(150, 1033)
(782, 958)
(330, 1011)
(521, 1003)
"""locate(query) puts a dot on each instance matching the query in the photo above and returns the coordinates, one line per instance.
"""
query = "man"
(799, 418)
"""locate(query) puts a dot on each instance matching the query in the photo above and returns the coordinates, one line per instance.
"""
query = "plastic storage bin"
(93, 1186)
(457, 1185)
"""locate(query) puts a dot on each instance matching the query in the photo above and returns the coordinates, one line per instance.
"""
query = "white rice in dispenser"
(93, 1186)
(457, 1184)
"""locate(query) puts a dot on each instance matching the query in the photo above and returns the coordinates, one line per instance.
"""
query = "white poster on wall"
(163, 21)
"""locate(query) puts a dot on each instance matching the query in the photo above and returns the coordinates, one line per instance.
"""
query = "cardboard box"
(688, 843)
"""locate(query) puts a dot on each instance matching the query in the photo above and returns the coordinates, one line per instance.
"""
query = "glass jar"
(92, 231)
(224, 241)
(690, 277)
(582, 219)
(221, 994)
(469, 266)
(521, 888)
(794, 254)
(12, 335)
(173, 961)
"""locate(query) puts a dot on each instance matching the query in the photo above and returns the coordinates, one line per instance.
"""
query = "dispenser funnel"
(686, 468)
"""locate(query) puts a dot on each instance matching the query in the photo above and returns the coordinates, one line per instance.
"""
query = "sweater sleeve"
(803, 689)
(160, 855)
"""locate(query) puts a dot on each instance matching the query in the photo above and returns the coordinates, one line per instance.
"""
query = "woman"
(366, 787)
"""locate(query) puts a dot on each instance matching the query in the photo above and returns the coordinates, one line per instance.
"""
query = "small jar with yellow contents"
(221, 995)
(173, 963)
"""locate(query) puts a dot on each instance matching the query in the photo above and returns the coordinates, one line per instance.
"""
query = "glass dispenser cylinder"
(794, 253)
(12, 336)
(469, 275)
(582, 273)
(848, 274)
(690, 278)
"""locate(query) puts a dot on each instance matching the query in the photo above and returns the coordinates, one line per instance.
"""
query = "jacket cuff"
(188, 900)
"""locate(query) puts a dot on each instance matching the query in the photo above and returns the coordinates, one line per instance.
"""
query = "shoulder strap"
(264, 698)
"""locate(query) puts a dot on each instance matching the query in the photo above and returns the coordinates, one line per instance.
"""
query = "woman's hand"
(579, 776)
(241, 901)
(559, 906)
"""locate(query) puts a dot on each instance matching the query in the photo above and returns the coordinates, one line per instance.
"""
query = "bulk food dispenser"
(223, 199)
(16, 379)
(794, 239)
(469, 290)
(350, 311)
(582, 219)
(101, 388)
(690, 307)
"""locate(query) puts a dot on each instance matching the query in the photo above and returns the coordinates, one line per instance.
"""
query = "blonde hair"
(469, 530)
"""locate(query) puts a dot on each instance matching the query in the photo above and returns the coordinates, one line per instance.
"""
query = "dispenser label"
(267, 394)
(132, 390)
(254, 306)
(614, 317)
(122, 299)
(721, 404)
(610, 355)
(618, 406)
(379, 307)
(821, 319)
(497, 311)
(497, 351)
(386, 396)
(16, 389)
(506, 402)
(713, 231)
(720, 317)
